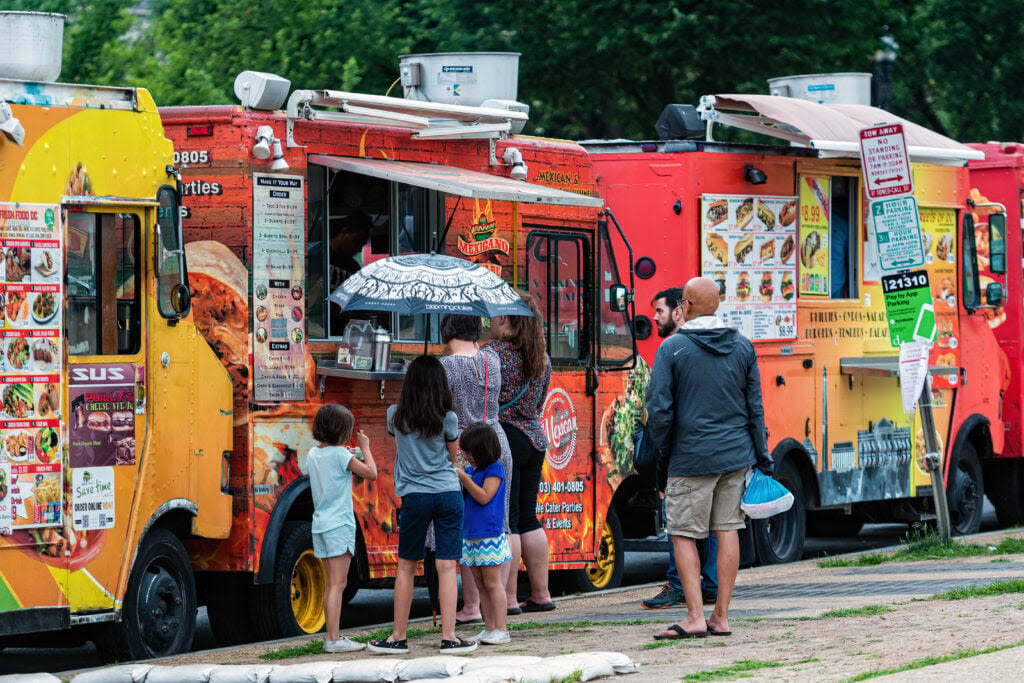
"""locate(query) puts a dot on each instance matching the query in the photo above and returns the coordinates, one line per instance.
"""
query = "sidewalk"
(790, 622)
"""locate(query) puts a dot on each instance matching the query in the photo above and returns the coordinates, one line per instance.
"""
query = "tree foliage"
(594, 68)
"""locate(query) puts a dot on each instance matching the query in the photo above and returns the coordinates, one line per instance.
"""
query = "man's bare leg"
(728, 566)
(688, 565)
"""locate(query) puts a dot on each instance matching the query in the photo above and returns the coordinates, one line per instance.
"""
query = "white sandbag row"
(29, 678)
(497, 669)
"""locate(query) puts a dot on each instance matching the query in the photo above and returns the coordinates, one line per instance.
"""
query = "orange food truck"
(271, 205)
(115, 413)
(782, 230)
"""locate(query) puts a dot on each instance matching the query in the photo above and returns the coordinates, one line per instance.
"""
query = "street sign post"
(885, 163)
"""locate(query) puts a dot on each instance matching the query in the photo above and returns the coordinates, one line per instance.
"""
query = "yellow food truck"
(111, 450)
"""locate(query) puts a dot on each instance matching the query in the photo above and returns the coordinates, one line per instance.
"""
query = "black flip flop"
(463, 622)
(677, 633)
(531, 606)
(714, 632)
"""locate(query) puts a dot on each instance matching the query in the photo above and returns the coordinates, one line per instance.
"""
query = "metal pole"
(933, 458)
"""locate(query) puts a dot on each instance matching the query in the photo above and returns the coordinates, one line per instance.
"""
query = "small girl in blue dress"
(484, 545)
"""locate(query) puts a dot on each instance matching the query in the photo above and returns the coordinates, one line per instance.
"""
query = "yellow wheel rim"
(308, 584)
(600, 573)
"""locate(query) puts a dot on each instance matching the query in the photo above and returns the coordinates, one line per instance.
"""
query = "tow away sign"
(884, 160)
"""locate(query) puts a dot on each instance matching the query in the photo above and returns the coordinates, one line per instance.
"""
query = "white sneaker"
(496, 637)
(342, 644)
(480, 636)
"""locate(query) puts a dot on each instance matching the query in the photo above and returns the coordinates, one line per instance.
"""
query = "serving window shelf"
(885, 366)
(330, 368)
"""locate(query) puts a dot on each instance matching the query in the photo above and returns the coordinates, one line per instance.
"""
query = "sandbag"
(498, 661)
(241, 673)
(30, 678)
(621, 663)
(186, 673)
(310, 672)
(565, 666)
(126, 673)
(442, 666)
(375, 670)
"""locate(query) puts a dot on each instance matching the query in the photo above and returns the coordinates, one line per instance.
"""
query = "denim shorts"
(417, 512)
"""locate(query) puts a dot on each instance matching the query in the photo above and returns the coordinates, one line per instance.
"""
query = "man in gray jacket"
(706, 418)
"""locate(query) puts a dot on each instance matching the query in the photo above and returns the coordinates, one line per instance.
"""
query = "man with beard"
(668, 317)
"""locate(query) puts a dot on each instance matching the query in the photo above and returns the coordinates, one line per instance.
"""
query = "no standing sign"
(886, 167)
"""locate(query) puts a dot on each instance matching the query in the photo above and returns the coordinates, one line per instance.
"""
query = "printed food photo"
(743, 248)
(745, 213)
(717, 247)
(17, 401)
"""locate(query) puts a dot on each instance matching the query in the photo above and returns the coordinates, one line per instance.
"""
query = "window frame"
(583, 288)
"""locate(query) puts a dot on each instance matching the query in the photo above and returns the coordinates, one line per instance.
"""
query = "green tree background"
(589, 69)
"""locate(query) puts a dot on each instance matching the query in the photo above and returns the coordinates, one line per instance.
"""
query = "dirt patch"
(788, 632)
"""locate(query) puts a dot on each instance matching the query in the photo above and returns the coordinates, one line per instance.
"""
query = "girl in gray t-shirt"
(426, 432)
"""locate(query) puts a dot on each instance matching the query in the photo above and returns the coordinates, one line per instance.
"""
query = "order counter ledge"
(330, 368)
(885, 366)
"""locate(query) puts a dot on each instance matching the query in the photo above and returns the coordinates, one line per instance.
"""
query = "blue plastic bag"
(764, 497)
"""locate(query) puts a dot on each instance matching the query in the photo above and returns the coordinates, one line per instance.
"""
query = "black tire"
(780, 539)
(226, 592)
(965, 491)
(158, 617)
(287, 607)
(833, 523)
(1004, 484)
(607, 571)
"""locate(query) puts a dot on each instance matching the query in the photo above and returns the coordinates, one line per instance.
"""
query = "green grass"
(313, 647)
(931, 661)
(740, 669)
(994, 588)
(566, 626)
(575, 677)
(866, 611)
(927, 545)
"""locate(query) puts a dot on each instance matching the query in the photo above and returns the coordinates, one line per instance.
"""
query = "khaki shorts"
(691, 503)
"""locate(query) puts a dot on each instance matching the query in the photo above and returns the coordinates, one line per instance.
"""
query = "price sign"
(896, 226)
(908, 307)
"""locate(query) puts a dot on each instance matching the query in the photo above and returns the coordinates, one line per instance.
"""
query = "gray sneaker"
(668, 597)
(342, 644)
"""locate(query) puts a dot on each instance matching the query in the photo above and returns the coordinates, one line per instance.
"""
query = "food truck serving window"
(557, 265)
(104, 311)
(356, 219)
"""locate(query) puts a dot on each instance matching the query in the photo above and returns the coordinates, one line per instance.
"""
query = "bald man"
(706, 418)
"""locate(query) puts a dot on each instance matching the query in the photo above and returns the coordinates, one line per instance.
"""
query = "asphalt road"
(374, 606)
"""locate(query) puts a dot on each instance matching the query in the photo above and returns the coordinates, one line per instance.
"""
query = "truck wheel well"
(294, 504)
(178, 521)
(791, 450)
(628, 500)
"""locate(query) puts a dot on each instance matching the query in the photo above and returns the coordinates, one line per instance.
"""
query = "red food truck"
(269, 197)
(996, 190)
(782, 230)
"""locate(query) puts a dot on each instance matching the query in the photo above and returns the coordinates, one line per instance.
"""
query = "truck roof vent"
(680, 122)
(260, 90)
(32, 45)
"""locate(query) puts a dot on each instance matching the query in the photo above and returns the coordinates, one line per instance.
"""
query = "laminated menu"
(31, 277)
(748, 247)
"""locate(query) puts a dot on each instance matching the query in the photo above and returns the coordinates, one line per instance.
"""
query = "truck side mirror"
(618, 298)
(997, 243)
(181, 299)
(994, 294)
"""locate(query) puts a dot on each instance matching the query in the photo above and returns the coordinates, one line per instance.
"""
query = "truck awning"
(834, 129)
(457, 181)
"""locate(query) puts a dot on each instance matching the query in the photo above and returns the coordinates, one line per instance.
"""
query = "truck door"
(105, 418)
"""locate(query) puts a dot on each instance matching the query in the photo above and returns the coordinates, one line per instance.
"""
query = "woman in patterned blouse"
(525, 376)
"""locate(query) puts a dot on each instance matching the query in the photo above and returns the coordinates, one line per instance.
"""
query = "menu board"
(31, 277)
(278, 279)
(102, 420)
(938, 238)
(749, 250)
(814, 226)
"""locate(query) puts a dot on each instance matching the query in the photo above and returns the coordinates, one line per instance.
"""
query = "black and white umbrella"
(427, 284)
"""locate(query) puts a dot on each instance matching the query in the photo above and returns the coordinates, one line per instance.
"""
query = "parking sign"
(884, 160)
